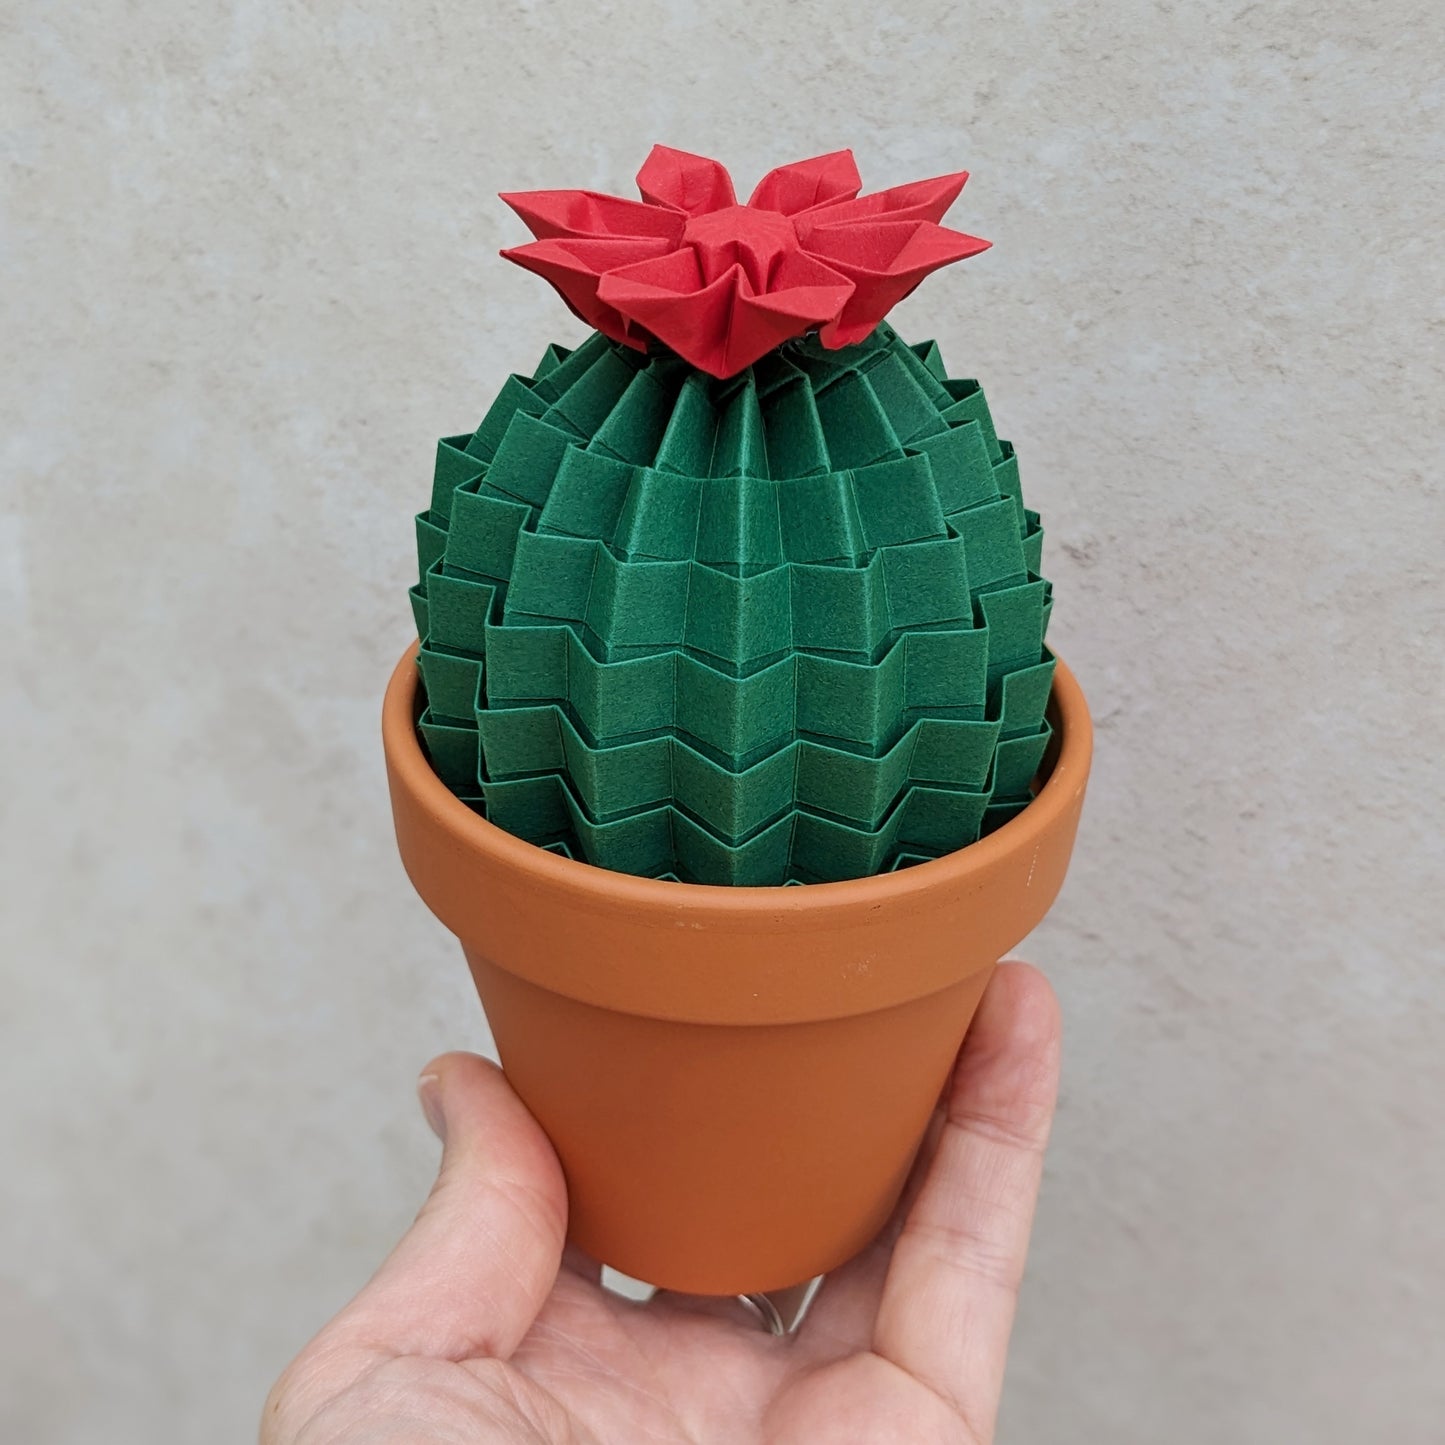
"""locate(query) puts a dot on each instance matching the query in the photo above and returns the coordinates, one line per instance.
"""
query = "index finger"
(952, 1287)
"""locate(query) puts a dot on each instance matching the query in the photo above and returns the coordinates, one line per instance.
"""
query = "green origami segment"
(786, 627)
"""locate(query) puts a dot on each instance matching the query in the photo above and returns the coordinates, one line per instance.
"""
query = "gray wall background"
(249, 275)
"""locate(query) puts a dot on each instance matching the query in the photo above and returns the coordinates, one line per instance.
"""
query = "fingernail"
(428, 1090)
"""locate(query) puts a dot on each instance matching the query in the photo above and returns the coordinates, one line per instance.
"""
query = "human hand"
(480, 1327)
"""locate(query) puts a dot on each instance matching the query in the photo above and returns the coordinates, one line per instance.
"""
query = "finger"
(847, 1306)
(470, 1275)
(952, 1287)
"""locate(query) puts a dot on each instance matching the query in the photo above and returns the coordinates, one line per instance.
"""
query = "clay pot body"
(736, 1080)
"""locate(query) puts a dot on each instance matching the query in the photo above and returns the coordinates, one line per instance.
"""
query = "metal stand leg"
(783, 1311)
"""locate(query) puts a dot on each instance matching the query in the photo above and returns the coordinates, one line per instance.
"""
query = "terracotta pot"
(736, 1080)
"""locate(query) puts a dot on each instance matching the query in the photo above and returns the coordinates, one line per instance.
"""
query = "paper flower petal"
(884, 260)
(576, 267)
(559, 214)
(799, 269)
(726, 325)
(796, 187)
(668, 299)
(917, 201)
(693, 184)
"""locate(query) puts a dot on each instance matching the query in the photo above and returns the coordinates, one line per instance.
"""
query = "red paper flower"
(723, 284)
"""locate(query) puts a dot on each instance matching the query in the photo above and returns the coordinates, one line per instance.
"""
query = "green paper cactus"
(783, 627)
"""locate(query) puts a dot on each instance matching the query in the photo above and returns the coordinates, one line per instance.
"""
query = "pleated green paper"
(783, 628)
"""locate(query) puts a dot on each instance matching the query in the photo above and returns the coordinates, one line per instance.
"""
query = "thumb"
(470, 1275)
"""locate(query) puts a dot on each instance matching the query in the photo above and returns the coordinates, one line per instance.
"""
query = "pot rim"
(474, 835)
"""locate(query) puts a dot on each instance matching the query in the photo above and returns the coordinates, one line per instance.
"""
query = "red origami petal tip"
(814, 182)
(885, 262)
(724, 284)
(554, 214)
(887, 248)
(690, 183)
(576, 267)
(917, 201)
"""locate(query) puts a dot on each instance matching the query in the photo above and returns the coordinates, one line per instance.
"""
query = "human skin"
(482, 1326)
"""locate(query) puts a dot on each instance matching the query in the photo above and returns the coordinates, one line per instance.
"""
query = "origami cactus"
(743, 589)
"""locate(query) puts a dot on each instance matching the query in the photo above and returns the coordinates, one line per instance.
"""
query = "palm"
(904, 1343)
(687, 1370)
(596, 1368)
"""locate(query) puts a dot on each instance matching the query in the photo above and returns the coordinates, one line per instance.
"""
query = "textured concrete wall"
(249, 275)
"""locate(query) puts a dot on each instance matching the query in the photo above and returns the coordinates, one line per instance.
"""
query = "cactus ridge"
(784, 627)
